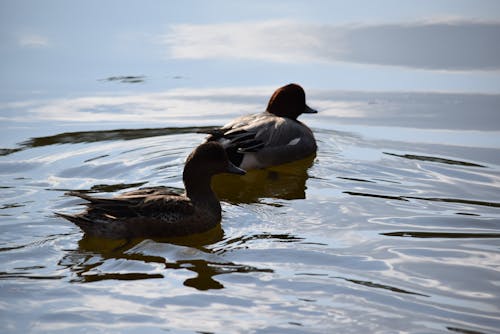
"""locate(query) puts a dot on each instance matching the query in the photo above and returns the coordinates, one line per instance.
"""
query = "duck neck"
(199, 191)
(280, 113)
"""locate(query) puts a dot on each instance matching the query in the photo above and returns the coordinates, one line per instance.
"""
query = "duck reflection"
(286, 181)
(99, 259)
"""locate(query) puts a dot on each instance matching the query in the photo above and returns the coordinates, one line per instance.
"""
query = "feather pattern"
(272, 137)
(157, 211)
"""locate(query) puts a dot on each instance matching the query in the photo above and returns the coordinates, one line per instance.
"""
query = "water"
(370, 235)
(393, 227)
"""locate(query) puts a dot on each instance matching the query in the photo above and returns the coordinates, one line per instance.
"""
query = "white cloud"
(33, 41)
(432, 44)
(282, 41)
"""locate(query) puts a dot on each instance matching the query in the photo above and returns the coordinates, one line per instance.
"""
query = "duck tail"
(80, 221)
(102, 202)
(81, 195)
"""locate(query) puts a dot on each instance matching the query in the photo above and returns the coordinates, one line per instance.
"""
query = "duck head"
(205, 161)
(289, 101)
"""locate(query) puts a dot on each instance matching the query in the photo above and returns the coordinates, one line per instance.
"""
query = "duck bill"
(231, 168)
(309, 110)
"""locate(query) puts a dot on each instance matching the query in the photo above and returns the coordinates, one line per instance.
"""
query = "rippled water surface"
(371, 234)
(393, 227)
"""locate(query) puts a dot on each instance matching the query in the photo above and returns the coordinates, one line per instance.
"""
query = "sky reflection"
(418, 117)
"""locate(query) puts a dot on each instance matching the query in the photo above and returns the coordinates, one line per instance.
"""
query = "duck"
(273, 137)
(157, 211)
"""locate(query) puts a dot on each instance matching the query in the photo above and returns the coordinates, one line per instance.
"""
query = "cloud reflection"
(33, 41)
(433, 45)
(176, 107)
(216, 106)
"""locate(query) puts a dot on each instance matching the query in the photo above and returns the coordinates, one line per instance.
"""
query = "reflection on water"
(131, 259)
(406, 198)
(381, 286)
(286, 181)
(97, 136)
(442, 235)
(434, 159)
(406, 231)
(126, 78)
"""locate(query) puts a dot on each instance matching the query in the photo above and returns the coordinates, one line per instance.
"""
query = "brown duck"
(273, 137)
(157, 212)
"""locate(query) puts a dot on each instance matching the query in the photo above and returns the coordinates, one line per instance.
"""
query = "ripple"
(381, 286)
(435, 159)
(415, 234)
(99, 136)
(432, 199)
(126, 79)
(352, 240)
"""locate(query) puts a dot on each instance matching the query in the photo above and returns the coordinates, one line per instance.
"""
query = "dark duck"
(158, 212)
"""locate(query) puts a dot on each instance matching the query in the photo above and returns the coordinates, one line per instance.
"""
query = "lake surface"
(393, 227)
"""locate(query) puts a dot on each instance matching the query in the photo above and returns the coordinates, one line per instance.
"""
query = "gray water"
(370, 235)
(393, 227)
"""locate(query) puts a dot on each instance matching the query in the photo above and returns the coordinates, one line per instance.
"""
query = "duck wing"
(148, 202)
(265, 139)
(255, 132)
(244, 134)
(141, 213)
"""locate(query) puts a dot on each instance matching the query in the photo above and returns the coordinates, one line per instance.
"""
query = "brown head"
(289, 101)
(205, 161)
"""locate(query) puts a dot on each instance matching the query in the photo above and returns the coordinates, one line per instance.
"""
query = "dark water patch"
(204, 270)
(311, 274)
(6, 249)
(97, 158)
(22, 275)
(245, 239)
(444, 223)
(284, 182)
(270, 236)
(125, 79)
(354, 179)
(307, 300)
(91, 261)
(101, 135)
(434, 159)
(207, 270)
(397, 198)
(467, 214)
(89, 278)
(11, 206)
(463, 331)
(295, 323)
(455, 200)
(314, 243)
(380, 286)
(30, 268)
(431, 199)
(447, 235)
(7, 151)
